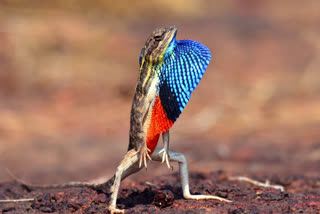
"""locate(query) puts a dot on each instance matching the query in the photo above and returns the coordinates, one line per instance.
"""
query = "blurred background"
(68, 71)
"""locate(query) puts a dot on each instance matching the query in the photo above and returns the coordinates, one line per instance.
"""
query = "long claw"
(144, 155)
(148, 156)
(145, 161)
(168, 162)
(140, 162)
(162, 151)
(165, 158)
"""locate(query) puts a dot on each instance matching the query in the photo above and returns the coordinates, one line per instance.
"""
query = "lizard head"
(157, 44)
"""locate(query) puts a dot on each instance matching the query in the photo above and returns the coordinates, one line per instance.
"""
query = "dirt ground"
(163, 195)
(67, 77)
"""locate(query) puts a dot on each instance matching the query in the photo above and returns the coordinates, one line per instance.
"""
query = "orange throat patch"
(159, 124)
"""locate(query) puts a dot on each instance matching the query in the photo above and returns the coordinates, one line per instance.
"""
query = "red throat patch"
(159, 123)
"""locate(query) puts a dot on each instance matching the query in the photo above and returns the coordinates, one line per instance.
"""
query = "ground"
(67, 78)
(163, 195)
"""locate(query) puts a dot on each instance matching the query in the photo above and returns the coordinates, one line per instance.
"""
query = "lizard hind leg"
(184, 175)
(128, 166)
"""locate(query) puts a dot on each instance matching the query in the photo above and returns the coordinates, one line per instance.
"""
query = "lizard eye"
(140, 57)
(158, 38)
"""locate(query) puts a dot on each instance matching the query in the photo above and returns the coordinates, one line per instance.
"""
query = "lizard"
(170, 70)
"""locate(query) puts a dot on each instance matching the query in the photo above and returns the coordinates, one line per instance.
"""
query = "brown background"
(68, 70)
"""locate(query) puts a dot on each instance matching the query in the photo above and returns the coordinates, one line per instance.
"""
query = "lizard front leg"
(184, 175)
(165, 149)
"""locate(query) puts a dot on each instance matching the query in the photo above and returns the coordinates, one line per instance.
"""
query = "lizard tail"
(99, 186)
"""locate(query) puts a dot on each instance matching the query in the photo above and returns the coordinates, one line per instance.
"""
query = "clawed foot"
(206, 197)
(144, 155)
(165, 158)
(113, 210)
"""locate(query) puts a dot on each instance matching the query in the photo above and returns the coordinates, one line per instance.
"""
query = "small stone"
(163, 198)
